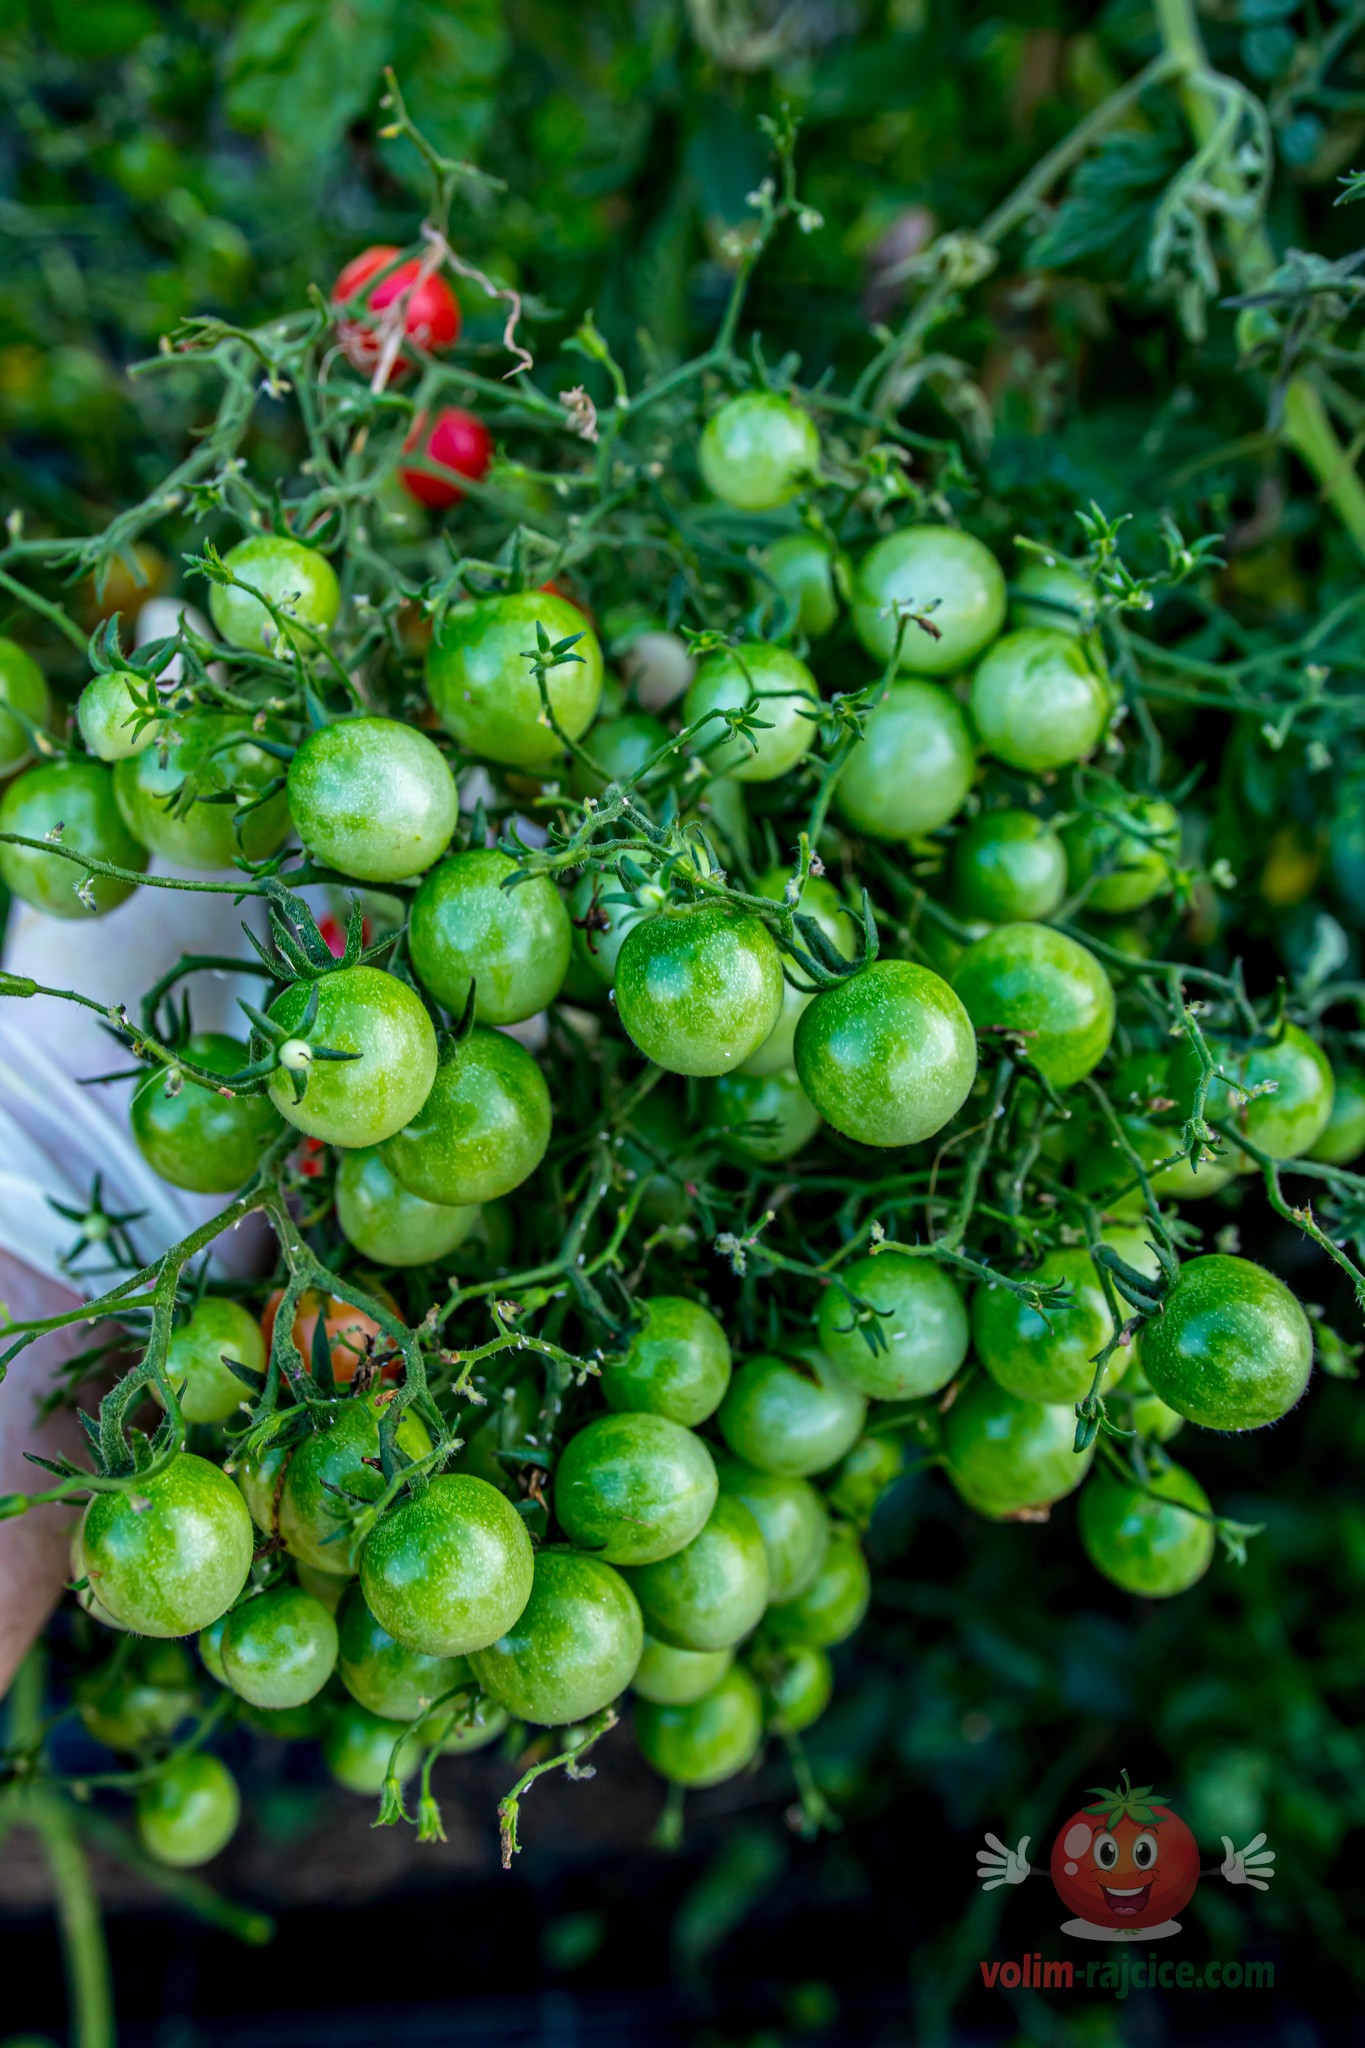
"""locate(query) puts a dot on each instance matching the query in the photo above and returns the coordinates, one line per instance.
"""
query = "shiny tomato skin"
(633, 1488)
(189, 1811)
(193, 1137)
(459, 444)
(361, 1101)
(573, 1649)
(170, 1555)
(707, 1740)
(831, 1608)
(431, 313)
(279, 1649)
(1037, 702)
(1285, 1122)
(711, 1593)
(386, 1678)
(784, 695)
(699, 987)
(373, 798)
(213, 751)
(513, 943)
(299, 581)
(917, 1319)
(388, 1224)
(1007, 1456)
(1155, 1540)
(792, 1520)
(81, 797)
(358, 1747)
(484, 691)
(1231, 1348)
(108, 714)
(794, 1416)
(217, 1328)
(758, 451)
(1008, 867)
(328, 1471)
(1102, 1874)
(913, 767)
(483, 1126)
(951, 577)
(1047, 1354)
(449, 1571)
(887, 1056)
(1030, 979)
(677, 1363)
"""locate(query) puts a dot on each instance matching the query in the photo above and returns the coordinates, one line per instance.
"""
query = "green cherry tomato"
(109, 713)
(1231, 1349)
(168, 795)
(1046, 1354)
(482, 1128)
(633, 1488)
(361, 1101)
(704, 1741)
(802, 567)
(473, 1724)
(909, 1339)
(601, 911)
(887, 1056)
(189, 1811)
(1008, 867)
(78, 796)
(217, 1329)
(358, 1746)
(1105, 1171)
(783, 695)
(792, 1520)
(791, 1416)
(911, 770)
(832, 1606)
(450, 1571)
(1005, 1455)
(1155, 1540)
(259, 1480)
(948, 577)
(279, 1649)
(324, 1586)
(1285, 1122)
(373, 798)
(699, 987)
(194, 1137)
(1343, 1135)
(1036, 701)
(171, 1554)
(328, 1470)
(210, 1646)
(1030, 979)
(388, 1224)
(483, 686)
(762, 1117)
(821, 901)
(394, 1682)
(621, 746)
(1147, 1413)
(1051, 593)
(677, 1364)
(871, 1468)
(758, 452)
(674, 1678)
(512, 942)
(23, 689)
(1133, 859)
(297, 580)
(574, 1647)
(797, 1683)
(142, 1698)
(711, 1593)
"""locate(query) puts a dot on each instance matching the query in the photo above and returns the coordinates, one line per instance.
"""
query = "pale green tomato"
(949, 578)
(802, 567)
(762, 1118)
(297, 580)
(217, 1328)
(108, 711)
(512, 941)
(358, 1101)
(758, 451)
(373, 798)
(784, 695)
(389, 1225)
(77, 796)
(1036, 702)
(24, 689)
(913, 767)
(1052, 593)
(484, 688)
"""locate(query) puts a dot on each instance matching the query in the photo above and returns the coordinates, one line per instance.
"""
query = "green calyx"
(1137, 1803)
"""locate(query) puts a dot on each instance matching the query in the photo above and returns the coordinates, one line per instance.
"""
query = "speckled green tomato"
(217, 1328)
(358, 1102)
(911, 770)
(633, 1488)
(792, 1520)
(357, 1747)
(1104, 1170)
(704, 1741)
(602, 910)
(78, 796)
(1008, 867)
(1147, 1413)
(621, 747)
(821, 901)
(871, 1468)
(482, 1128)
(788, 1416)
(802, 567)
(1343, 1135)
(1053, 594)
(195, 1138)
(1286, 1122)
(1231, 1349)
(143, 1699)
(387, 1223)
(297, 580)
(210, 754)
(189, 1811)
(210, 1647)
(797, 1683)
(758, 451)
(23, 688)
(259, 1479)
(783, 694)
(1036, 701)
(326, 1472)
(917, 1322)
(512, 942)
(484, 689)
(1006, 1455)
(450, 1571)
(383, 1675)
(324, 1586)
(674, 1678)
(950, 577)
(170, 1555)
(473, 1724)
(888, 1056)
(109, 714)
(761, 1117)
(832, 1606)
(677, 1364)
(1133, 860)
(1156, 1540)
(280, 1649)
(1052, 991)
(711, 1593)
(573, 1649)
(1047, 1354)
(372, 798)
(699, 987)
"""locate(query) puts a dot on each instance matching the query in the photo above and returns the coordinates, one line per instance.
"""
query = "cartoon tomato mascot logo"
(1125, 1866)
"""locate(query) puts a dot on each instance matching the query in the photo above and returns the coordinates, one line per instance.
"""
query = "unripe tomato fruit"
(1036, 701)
(373, 798)
(763, 1117)
(472, 1724)
(707, 1740)
(790, 1416)
(514, 943)
(1053, 594)
(633, 1488)
(699, 987)
(23, 687)
(279, 1649)
(802, 567)
(449, 1571)
(210, 754)
(792, 1520)
(797, 1683)
(758, 451)
(482, 1128)
(168, 1555)
(950, 577)
(484, 690)
(358, 1747)
(782, 693)
(711, 1593)
(1008, 867)
(677, 1364)
(832, 1606)
(1285, 1122)
(143, 1700)
(621, 746)
(384, 1676)
(79, 796)
(1343, 1135)
(196, 1138)
(109, 714)
(217, 1328)
(297, 580)
(1155, 1540)
(1053, 992)
(361, 1101)
(457, 443)
(1047, 1354)
(1231, 1348)
(330, 1470)
(1133, 866)
(911, 770)
(189, 1811)
(887, 1056)
(674, 1678)
(871, 1468)
(821, 901)
(387, 1223)
(574, 1647)
(430, 315)
(912, 1339)
(1005, 1455)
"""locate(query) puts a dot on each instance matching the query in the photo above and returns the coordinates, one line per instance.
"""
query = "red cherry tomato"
(459, 443)
(431, 312)
(349, 1331)
(1117, 1869)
